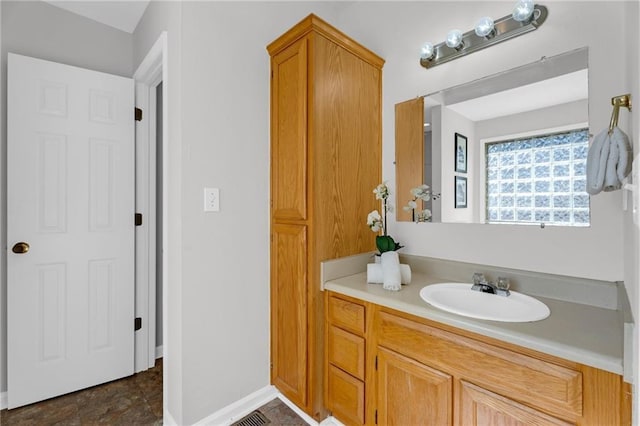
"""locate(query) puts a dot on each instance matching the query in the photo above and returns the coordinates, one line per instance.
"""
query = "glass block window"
(539, 179)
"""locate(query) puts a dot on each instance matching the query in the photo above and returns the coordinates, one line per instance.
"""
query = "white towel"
(625, 151)
(608, 162)
(597, 162)
(375, 276)
(391, 271)
(611, 181)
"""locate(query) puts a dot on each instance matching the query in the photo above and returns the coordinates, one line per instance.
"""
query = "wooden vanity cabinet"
(412, 393)
(479, 406)
(326, 157)
(346, 359)
(420, 372)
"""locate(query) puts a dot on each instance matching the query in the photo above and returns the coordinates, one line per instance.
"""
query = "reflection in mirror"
(526, 132)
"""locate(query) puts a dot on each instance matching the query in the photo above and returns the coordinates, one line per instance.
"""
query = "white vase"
(391, 277)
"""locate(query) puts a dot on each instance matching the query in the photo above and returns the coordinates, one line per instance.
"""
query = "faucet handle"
(503, 283)
(478, 278)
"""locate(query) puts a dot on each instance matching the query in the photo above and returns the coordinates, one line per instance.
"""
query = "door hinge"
(376, 417)
(138, 219)
(137, 324)
(376, 362)
(137, 114)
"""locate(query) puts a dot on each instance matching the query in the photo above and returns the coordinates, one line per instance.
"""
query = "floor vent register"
(254, 419)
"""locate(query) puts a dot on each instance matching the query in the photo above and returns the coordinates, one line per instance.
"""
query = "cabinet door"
(346, 351)
(410, 393)
(289, 133)
(289, 311)
(346, 149)
(345, 396)
(478, 406)
(409, 153)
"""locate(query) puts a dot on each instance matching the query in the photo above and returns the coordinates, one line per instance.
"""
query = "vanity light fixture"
(526, 17)
(523, 10)
(485, 28)
(454, 39)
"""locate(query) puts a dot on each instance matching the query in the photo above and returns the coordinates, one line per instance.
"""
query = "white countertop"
(580, 333)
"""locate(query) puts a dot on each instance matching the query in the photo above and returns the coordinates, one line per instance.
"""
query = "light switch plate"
(211, 199)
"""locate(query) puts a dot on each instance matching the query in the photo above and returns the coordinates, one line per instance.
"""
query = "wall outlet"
(211, 200)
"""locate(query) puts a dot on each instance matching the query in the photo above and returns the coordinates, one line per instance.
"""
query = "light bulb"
(523, 10)
(454, 39)
(484, 27)
(427, 51)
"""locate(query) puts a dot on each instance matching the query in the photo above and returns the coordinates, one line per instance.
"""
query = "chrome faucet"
(480, 283)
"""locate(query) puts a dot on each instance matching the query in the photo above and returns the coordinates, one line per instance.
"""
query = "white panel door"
(70, 229)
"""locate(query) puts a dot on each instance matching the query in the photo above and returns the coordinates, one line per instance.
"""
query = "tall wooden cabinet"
(325, 162)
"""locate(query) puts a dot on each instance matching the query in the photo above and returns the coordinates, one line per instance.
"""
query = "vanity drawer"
(529, 380)
(346, 350)
(345, 396)
(347, 315)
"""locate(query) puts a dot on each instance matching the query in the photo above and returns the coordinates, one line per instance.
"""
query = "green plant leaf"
(386, 243)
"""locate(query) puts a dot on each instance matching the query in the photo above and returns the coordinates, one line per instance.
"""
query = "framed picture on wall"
(461, 192)
(461, 153)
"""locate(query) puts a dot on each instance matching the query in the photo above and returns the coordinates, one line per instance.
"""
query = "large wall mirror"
(507, 148)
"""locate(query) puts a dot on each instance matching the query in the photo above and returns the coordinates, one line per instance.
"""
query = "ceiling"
(123, 15)
(550, 81)
(542, 94)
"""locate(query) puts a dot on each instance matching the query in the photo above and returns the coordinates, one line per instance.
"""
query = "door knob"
(20, 248)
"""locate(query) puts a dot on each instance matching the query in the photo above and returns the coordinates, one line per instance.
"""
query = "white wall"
(436, 173)
(40, 30)
(632, 119)
(37, 29)
(396, 30)
(158, 17)
(632, 232)
(159, 222)
(226, 145)
(451, 123)
(218, 324)
(540, 119)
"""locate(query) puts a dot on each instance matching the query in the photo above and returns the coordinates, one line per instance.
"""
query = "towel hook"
(617, 102)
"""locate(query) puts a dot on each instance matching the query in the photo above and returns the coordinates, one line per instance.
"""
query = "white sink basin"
(460, 299)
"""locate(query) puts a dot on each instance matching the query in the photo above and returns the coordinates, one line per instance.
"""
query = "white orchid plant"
(423, 193)
(378, 223)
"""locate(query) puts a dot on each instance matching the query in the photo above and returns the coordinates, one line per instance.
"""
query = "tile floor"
(135, 400)
(280, 414)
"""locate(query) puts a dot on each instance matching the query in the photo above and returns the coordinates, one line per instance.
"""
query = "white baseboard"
(331, 421)
(3, 401)
(167, 419)
(159, 351)
(235, 411)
